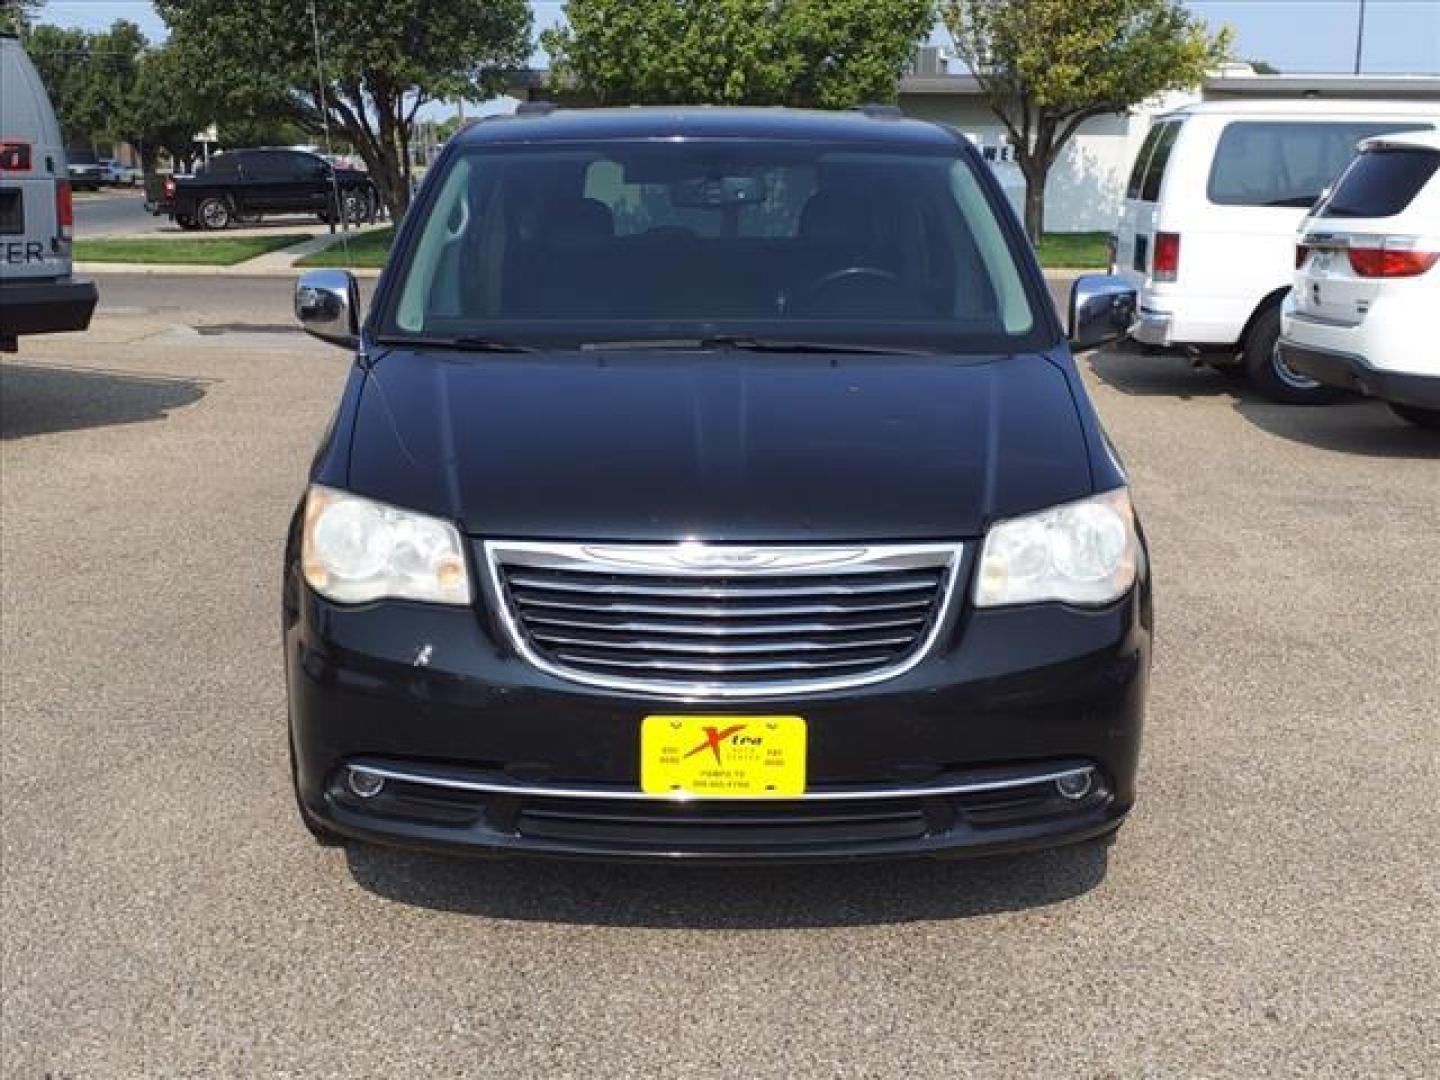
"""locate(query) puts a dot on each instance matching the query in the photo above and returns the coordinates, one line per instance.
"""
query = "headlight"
(356, 550)
(1084, 552)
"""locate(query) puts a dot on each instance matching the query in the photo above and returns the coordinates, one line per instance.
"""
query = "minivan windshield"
(570, 244)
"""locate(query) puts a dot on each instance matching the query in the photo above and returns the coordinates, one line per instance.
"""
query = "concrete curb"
(245, 269)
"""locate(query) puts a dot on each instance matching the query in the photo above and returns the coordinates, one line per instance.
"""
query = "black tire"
(214, 213)
(1269, 375)
(1414, 414)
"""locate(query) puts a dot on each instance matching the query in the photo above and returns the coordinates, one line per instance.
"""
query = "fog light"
(1075, 785)
(365, 785)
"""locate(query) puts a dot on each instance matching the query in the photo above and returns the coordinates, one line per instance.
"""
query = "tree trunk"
(1034, 204)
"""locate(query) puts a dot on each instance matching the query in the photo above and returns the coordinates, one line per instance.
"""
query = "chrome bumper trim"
(501, 786)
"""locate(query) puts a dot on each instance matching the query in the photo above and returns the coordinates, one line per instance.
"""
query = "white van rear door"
(31, 160)
(1135, 246)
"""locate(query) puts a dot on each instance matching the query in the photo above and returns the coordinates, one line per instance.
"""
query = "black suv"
(714, 484)
(245, 185)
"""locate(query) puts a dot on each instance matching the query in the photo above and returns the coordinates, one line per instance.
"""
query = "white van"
(38, 295)
(1208, 231)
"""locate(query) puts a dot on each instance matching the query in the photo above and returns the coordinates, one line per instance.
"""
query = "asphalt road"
(115, 212)
(1270, 910)
(111, 212)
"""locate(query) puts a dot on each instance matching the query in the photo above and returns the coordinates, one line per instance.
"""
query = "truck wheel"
(1269, 374)
(214, 213)
(1414, 414)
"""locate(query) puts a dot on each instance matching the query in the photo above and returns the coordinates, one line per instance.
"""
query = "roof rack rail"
(880, 112)
(535, 108)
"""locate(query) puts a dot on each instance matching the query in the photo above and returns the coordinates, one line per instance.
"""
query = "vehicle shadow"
(1352, 426)
(729, 898)
(37, 399)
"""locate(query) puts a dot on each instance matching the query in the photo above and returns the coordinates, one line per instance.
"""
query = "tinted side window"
(1137, 172)
(224, 165)
(303, 166)
(1155, 171)
(266, 166)
(1381, 183)
(1286, 163)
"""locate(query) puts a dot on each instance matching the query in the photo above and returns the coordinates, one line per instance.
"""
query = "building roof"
(577, 125)
(1240, 82)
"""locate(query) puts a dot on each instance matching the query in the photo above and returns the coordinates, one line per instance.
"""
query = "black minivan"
(714, 484)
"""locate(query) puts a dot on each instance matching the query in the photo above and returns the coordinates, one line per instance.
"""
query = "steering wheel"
(836, 276)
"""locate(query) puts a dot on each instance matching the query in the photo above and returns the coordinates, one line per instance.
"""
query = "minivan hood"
(719, 446)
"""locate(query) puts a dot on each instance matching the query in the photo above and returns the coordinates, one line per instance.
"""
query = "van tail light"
(1300, 252)
(1166, 264)
(1383, 262)
(64, 210)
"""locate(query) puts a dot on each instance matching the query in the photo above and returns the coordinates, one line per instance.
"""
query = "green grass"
(207, 251)
(366, 249)
(1081, 250)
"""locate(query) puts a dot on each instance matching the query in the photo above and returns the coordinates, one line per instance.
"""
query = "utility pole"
(1360, 37)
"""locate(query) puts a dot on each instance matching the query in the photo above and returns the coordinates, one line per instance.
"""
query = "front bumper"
(484, 753)
(45, 307)
(1350, 372)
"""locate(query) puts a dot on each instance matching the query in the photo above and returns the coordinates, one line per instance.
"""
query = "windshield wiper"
(762, 345)
(466, 342)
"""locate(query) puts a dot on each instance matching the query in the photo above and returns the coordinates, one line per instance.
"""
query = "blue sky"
(1294, 35)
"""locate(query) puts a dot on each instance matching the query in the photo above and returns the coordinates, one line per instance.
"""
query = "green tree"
(820, 53)
(165, 111)
(17, 16)
(62, 57)
(1047, 66)
(91, 78)
(381, 61)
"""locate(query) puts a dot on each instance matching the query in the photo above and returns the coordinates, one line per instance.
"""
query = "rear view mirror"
(327, 303)
(718, 192)
(1102, 307)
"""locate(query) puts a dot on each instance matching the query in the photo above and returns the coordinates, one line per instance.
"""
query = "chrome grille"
(696, 620)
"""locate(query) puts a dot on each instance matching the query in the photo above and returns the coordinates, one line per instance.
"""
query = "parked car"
(246, 185)
(38, 293)
(1207, 235)
(1365, 309)
(87, 172)
(714, 484)
(119, 174)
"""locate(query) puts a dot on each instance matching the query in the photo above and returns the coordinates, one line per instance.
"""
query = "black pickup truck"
(242, 186)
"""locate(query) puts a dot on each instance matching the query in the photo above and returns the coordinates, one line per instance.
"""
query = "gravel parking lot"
(1272, 909)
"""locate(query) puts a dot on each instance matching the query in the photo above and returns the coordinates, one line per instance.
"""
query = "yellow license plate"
(723, 757)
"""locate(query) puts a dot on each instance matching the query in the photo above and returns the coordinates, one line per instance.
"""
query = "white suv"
(1365, 310)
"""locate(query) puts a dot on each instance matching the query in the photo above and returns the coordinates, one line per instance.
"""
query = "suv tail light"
(1383, 262)
(169, 187)
(64, 210)
(1166, 264)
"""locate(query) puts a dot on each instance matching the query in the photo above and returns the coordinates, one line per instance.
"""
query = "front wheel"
(215, 214)
(1270, 374)
(1414, 414)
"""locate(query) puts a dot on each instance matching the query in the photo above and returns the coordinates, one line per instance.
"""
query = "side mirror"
(1102, 308)
(327, 303)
